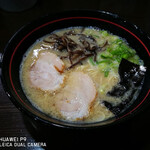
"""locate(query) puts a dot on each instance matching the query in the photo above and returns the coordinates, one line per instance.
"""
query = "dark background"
(133, 134)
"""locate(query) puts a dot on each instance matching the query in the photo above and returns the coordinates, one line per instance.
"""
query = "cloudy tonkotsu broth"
(69, 73)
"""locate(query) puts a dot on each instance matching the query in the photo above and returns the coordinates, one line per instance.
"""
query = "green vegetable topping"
(92, 62)
(117, 49)
(94, 35)
(104, 33)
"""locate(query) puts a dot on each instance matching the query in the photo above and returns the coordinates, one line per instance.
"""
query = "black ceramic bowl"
(29, 33)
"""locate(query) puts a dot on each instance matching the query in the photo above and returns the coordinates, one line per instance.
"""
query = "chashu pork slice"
(77, 97)
(45, 73)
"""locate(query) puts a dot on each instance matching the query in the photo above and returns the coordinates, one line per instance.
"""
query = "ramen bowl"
(28, 34)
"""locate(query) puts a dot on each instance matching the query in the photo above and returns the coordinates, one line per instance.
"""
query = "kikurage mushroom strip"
(77, 52)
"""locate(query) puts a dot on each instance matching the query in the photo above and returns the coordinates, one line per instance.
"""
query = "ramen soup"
(81, 74)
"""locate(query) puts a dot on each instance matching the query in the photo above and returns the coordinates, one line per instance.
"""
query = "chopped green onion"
(112, 56)
(106, 73)
(104, 61)
(95, 35)
(104, 33)
(92, 62)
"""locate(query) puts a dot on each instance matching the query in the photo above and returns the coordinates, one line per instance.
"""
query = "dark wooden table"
(134, 134)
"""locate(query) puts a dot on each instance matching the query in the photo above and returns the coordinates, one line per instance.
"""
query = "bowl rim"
(69, 125)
